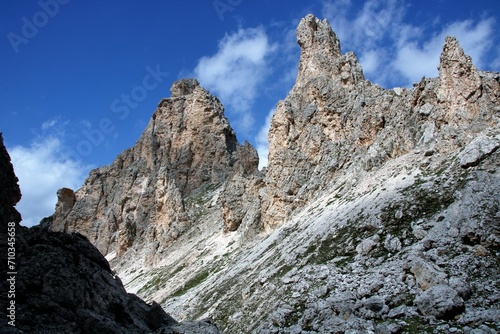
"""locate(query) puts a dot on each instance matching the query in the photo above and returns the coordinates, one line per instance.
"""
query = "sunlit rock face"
(143, 198)
(334, 120)
(378, 210)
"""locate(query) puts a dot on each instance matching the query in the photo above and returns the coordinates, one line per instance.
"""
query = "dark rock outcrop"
(440, 301)
(60, 283)
(10, 194)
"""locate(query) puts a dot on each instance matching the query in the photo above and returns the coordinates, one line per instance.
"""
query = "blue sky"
(80, 79)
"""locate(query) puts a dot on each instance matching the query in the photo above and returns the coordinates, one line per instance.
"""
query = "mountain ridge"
(364, 219)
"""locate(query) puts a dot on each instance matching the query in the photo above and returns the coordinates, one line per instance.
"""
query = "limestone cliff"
(378, 211)
(148, 193)
(334, 120)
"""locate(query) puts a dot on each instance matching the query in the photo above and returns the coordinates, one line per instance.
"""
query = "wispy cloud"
(236, 70)
(42, 169)
(496, 62)
(416, 59)
(49, 124)
(262, 141)
(393, 51)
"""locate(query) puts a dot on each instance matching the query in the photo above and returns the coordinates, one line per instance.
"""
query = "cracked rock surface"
(378, 211)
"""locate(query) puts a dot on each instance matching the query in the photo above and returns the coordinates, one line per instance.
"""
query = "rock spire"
(146, 194)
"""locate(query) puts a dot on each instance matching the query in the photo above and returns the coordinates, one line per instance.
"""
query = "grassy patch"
(202, 195)
(153, 284)
(333, 246)
(177, 270)
(195, 281)
(417, 325)
(345, 261)
(294, 317)
(420, 200)
(282, 271)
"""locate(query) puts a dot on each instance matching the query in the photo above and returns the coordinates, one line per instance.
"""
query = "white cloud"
(414, 61)
(236, 70)
(49, 124)
(475, 39)
(371, 61)
(261, 140)
(361, 30)
(42, 169)
(395, 52)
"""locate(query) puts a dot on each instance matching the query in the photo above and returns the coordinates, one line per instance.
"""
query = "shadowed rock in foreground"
(64, 285)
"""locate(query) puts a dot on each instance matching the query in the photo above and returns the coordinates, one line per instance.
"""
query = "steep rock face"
(381, 207)
(460, 83)
(334, 120)
(187, 147)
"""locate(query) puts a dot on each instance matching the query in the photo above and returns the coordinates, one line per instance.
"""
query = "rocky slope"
(378, 211)
(62, 284)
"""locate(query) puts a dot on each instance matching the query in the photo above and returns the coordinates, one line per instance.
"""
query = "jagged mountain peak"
(187, 146)
(334, 119)
(460, 82)
(314, 35)
(321, 54)
(453, 51)
(367, 211)
(183, 87)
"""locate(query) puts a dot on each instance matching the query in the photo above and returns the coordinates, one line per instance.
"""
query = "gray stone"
(461, 286)
(390, 327)
(426, 109)
(392, 244)
(426, 274)
(367, 245)
(478, 149)
(440, 301)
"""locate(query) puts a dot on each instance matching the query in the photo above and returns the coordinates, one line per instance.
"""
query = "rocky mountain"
(378, 212)
(60, 283)
(146, 196)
